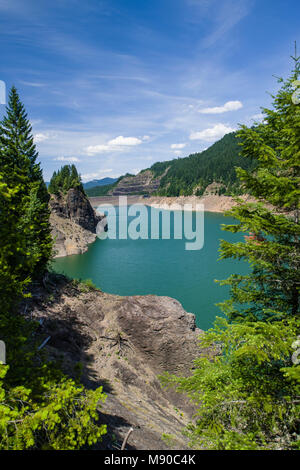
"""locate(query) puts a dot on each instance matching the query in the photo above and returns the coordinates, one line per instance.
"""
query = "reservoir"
(161, 267)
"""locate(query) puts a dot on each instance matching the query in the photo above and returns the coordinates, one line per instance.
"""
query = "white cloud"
(229, 106)
(96, 149)
(67, 159)
(177, 146)
(211, 134)
(127, 141)
(178, 152)
(41, 137)
(119, 144)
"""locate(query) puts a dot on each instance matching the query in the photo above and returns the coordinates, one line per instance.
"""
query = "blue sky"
(116, 85)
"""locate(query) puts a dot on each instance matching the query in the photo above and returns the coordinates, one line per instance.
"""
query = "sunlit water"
(161, 267)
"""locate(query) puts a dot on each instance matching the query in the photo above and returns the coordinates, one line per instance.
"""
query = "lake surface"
(161, 267)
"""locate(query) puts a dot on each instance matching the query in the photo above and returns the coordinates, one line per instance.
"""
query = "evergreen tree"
(271, 290)
(64, 179)
(19, 168)
(13, 248)
(247, 391)
(40, 408)
(183, 176)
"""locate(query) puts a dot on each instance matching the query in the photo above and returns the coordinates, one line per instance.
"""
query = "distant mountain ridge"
(101, 182)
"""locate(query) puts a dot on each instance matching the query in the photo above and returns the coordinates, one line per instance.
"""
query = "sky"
(114, 86)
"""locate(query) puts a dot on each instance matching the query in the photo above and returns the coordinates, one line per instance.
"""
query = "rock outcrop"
(123, 344)
(143, 183)
(73, 222)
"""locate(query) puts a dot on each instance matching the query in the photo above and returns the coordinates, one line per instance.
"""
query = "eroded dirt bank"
(122, 343)
(211, 203)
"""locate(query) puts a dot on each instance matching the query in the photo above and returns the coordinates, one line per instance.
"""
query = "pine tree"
(64, 179)
(247, 391)
(271, 290)
(19, 168)
(40, 408)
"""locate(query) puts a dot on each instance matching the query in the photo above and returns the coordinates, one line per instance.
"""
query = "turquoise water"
(161, 267)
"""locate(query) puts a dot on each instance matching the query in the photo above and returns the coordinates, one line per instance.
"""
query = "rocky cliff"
(122, 343)
(143, 183)
(73, 222)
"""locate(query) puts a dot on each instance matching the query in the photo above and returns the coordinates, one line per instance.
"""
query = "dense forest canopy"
(103, 190)
(193, 174)
(64, 179)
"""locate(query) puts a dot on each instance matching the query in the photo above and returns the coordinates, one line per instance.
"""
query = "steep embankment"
(211, 203)
(122, 343)
(73, 222)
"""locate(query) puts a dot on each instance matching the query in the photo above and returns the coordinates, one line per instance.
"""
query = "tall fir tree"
(247, 391)
(271, 290)
(64, 179)
(19, 168)
(40, 408)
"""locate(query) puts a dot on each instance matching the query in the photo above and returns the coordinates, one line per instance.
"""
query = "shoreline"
(211, 203)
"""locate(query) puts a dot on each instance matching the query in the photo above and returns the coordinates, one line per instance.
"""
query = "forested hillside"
(191, 175)
(103, 190)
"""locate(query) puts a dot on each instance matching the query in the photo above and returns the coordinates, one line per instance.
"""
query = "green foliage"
(271, 291)
(245, 396)
(39, 407)
(87, 285)
(168, 439)
(100, 190)
(13, 247)
(196, 172)
(186, 176)
(97, 191)
(64, 179)
(28, 194)
(248, 392)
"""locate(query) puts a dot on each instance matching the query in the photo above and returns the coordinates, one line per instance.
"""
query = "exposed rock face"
(142, 183)
(73, 222)
(210, 202)
(76, 207)
(161, 330)
(123, 343)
